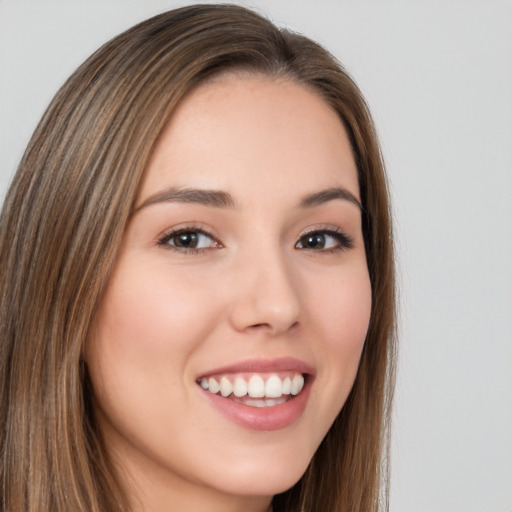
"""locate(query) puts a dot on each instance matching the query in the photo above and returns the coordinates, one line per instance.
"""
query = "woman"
(197, 280)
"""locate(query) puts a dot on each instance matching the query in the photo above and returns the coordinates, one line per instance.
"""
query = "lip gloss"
(269, 417)
(261, 418)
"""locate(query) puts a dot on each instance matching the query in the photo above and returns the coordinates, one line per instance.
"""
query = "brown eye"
(324, 241)
(313, 241)
(189, 239)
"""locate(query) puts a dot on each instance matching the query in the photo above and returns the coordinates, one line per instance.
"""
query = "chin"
(267, 479)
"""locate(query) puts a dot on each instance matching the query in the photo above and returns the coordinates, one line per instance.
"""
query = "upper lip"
(263, 366)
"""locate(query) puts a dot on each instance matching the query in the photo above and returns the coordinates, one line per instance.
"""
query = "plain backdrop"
(438, 78)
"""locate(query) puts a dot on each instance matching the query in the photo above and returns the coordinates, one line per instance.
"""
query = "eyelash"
(344, 241)
(167, 237)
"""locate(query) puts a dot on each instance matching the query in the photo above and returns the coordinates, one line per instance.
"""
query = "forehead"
(270, 134)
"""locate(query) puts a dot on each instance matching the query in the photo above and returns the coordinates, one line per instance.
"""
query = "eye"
(189, 239)
(324, 240)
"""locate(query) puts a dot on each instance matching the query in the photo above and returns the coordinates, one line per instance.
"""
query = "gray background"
(438, 78)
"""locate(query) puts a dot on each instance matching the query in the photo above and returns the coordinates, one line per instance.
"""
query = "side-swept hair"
(62, 224)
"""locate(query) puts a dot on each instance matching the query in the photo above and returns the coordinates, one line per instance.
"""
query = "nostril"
(260, 326)
(273, 328)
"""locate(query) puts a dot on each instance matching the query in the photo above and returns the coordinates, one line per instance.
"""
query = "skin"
(255, 290)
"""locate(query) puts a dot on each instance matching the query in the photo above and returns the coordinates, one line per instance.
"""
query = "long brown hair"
(61, 227)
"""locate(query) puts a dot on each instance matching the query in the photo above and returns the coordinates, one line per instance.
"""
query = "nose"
(267, 295)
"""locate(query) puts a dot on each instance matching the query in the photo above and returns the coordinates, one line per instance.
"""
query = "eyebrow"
(221, 199)
(214, 198)
(330, 194)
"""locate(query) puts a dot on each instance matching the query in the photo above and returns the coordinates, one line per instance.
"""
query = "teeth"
(256, 387)
(287, 386)
(273, 388)
(239, 387)
(213, 386)
(268, 402)
(297, 384)
(226, 388)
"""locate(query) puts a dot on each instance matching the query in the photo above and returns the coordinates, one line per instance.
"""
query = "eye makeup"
(325, 240)
(189, 239)
(193, 239)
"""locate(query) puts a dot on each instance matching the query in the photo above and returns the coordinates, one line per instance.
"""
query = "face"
(231, 331)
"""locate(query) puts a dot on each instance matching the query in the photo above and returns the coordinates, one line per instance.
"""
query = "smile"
(259, 394)
(256, 390)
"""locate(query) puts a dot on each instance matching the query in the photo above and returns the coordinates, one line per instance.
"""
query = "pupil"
(188, 240)
(316, 240)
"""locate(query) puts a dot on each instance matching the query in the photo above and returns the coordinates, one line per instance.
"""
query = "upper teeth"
(255, 387)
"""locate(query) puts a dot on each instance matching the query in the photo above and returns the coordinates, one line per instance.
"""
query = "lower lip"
(275, 417)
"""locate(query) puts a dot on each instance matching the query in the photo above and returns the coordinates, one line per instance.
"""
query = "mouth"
(259, 395)
(257, 389)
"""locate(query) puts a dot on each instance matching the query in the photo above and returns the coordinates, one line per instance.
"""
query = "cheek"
(147, 316)
(146, 328)
(138, 356)
(343, 314)
(344, 310)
